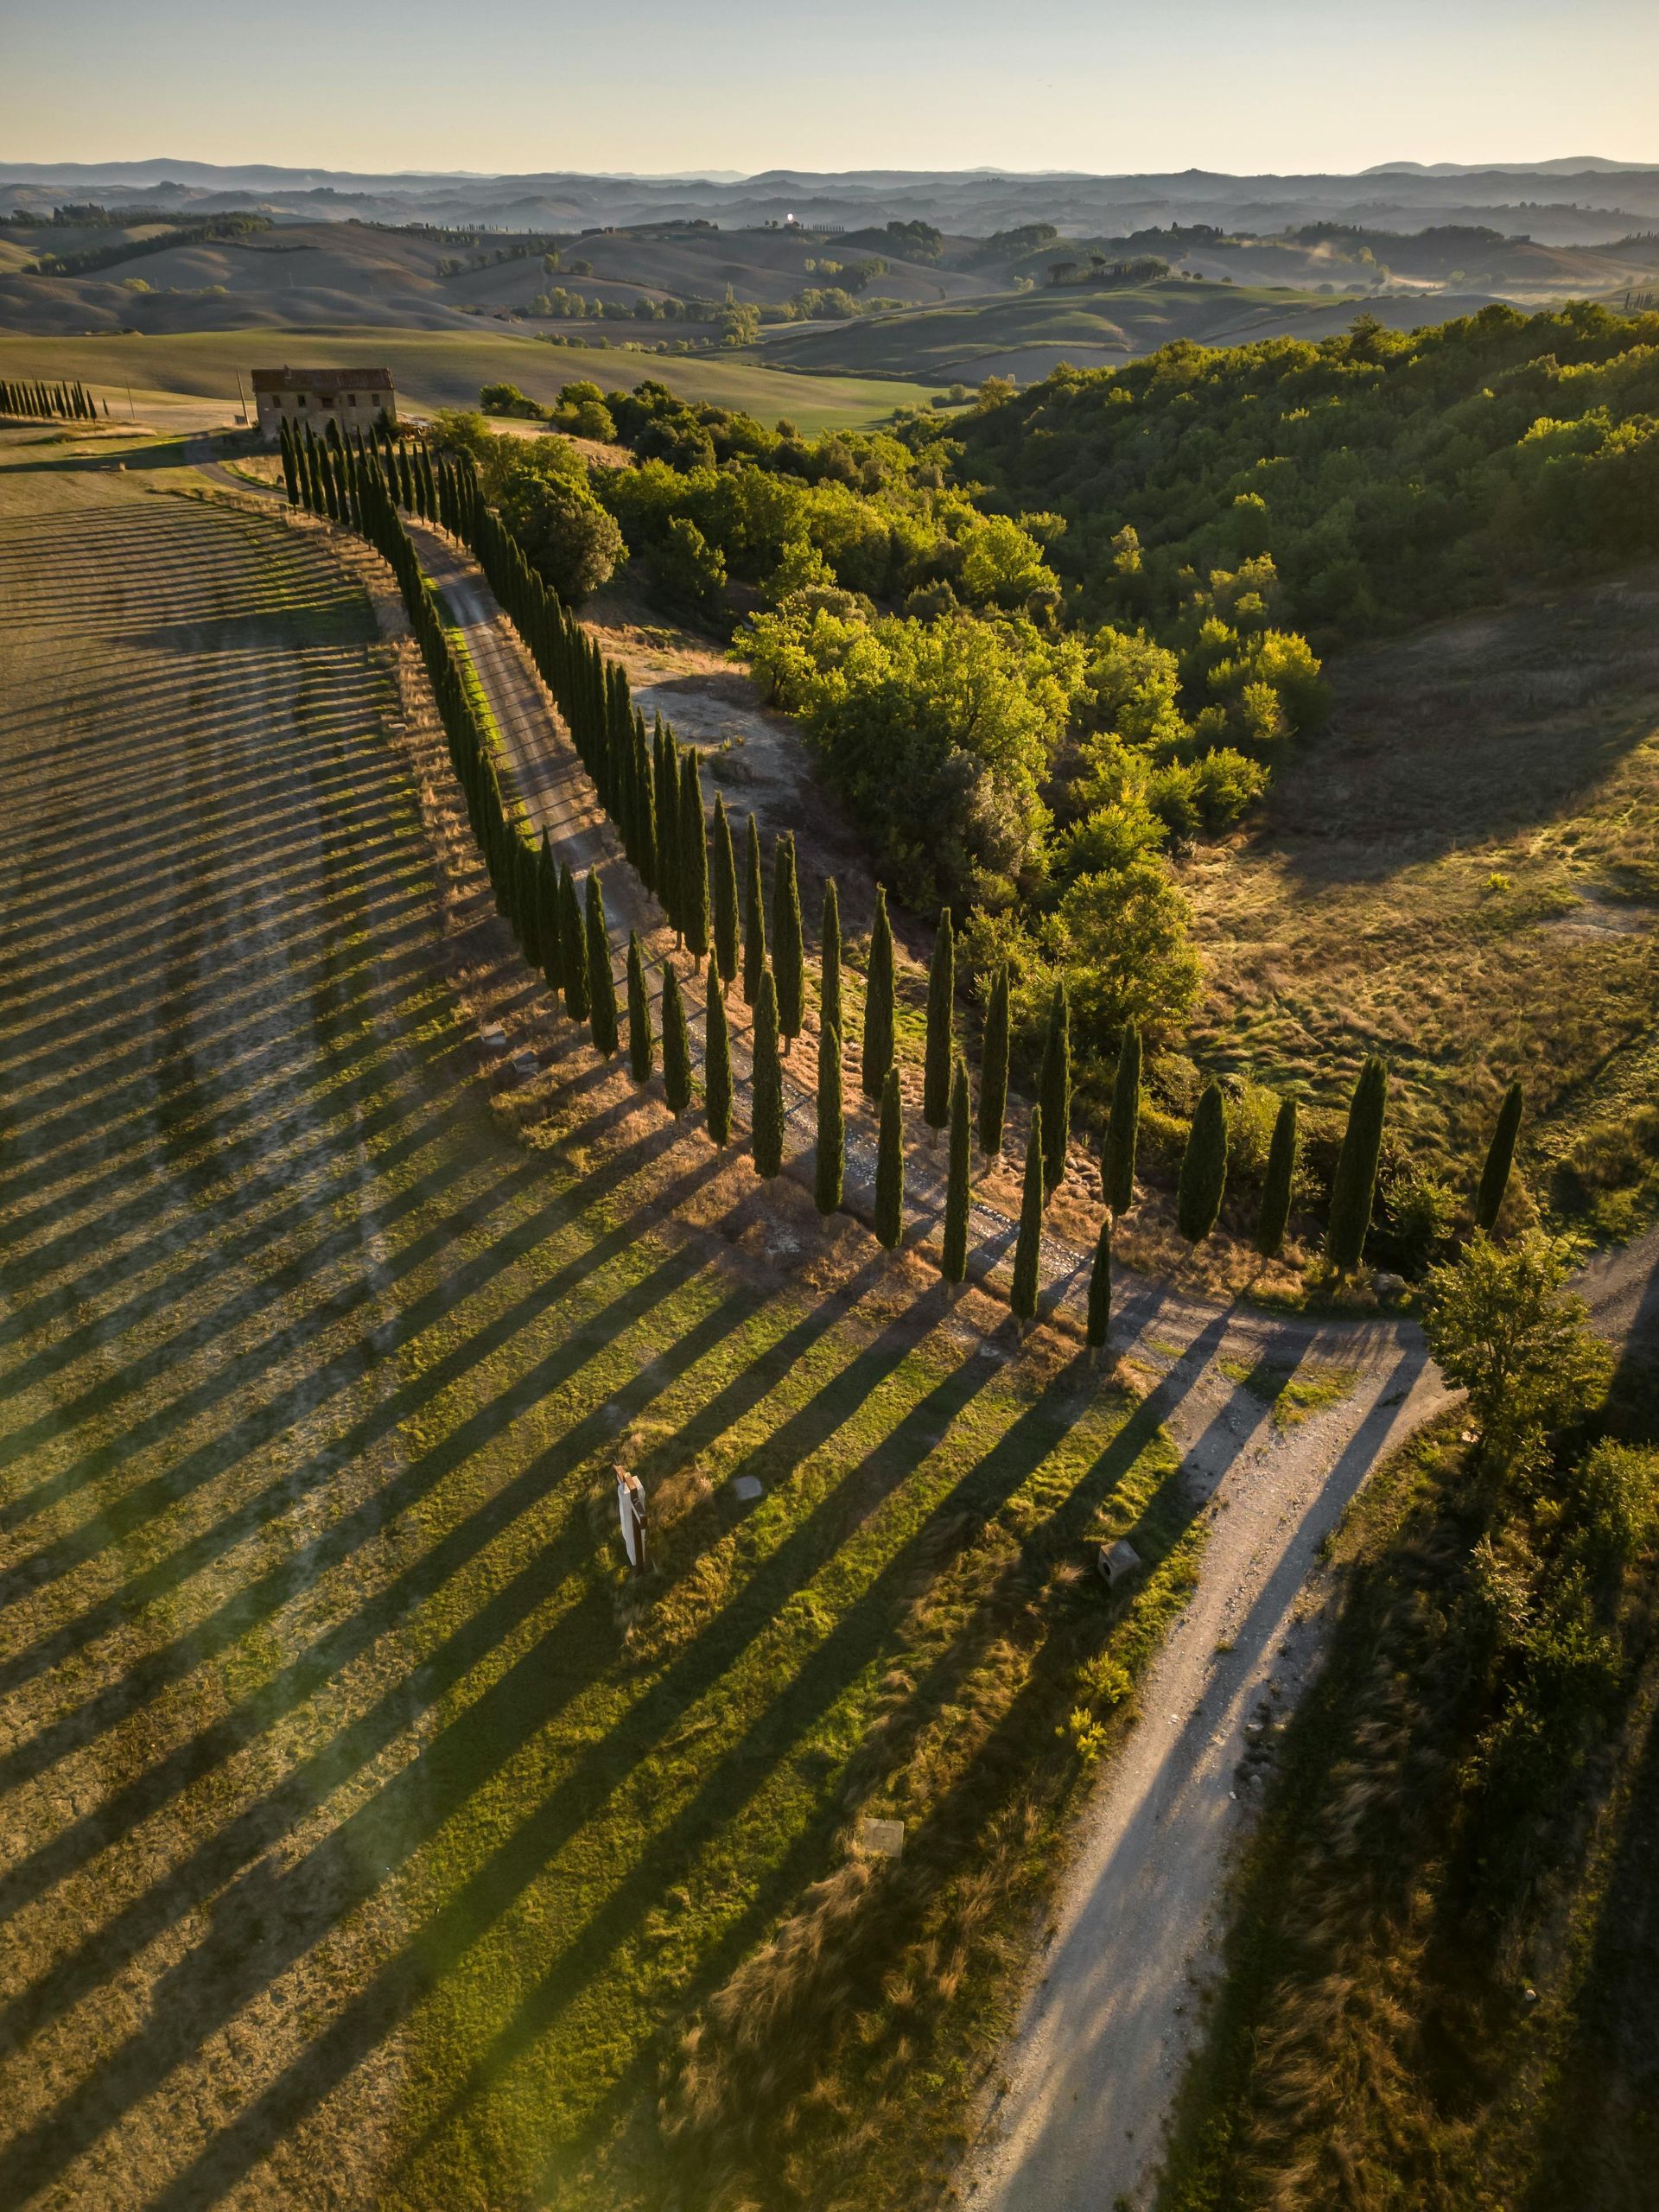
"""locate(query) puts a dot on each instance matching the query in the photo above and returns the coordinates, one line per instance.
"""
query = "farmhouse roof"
(355, 380)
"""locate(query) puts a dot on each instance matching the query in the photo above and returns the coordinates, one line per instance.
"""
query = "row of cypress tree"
(24, 396)
(650, 786)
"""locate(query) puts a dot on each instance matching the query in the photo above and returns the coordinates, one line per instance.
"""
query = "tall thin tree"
(574, 939)
(693, 858)
(939, 1059)
(788, 946)
(1278, 1183)
(717, 1061)
(1028, 1250)
(1123, 1130)
(1500, 1159)
(1353, 1189)
(1100, 1290)
(1204, 1169)
(878, 1001)
(830, 1013)
(755, 917)
(994, 1069)
(890, 1164)
(676, 1044)
(766, 1084)
(1055, 1090)
(958, 1191)
(724, 890)
(830, 1168)
(641, 1044)
(601, 985)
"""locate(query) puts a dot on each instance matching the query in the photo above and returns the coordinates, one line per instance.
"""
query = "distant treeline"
(21, 396)
(89, 259)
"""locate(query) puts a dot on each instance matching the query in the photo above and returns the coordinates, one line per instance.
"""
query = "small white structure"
(355, 399)
(1118, 1560)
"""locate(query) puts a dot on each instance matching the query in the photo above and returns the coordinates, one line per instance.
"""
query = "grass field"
(368, 1836)
(438, 369)
(1026, 335)
(1459, 872)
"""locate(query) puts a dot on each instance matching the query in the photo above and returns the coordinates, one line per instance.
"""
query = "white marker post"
(631, 1512)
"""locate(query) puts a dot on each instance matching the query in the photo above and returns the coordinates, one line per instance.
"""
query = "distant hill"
(1550, 199)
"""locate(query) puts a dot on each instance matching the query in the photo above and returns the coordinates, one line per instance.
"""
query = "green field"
(365, 1817)
(1026, 335)
(436, 369)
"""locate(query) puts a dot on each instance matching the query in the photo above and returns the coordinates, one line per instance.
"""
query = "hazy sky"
(660, 86)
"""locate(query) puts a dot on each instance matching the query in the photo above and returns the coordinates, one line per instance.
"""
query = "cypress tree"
(549, 933)
(831, 1165)
(641, 1052)
(878, 1002)
(890, 1164)
(667, 777)
(1122, 1131)
(994, 1069)
(574, 947)
(1100, 1288)
(724, 889)
(788, 947)
(829, 959)
(755, 918)
(717, 1059)
(958, 1193)
(1204, 1169)
(676, 1044)
(538, 859)
(940, 1058)
(767, 1135)
(1055, 1090)
(602, 988)
(1027, 1252)
(1500, 1158)
(1353, 1188)
(693, 858)
(1278, 1183)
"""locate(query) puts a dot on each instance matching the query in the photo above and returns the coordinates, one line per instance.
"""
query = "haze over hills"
(1556, 203)
(941, 278)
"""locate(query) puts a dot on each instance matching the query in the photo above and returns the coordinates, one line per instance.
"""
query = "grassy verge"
(1440, 1978)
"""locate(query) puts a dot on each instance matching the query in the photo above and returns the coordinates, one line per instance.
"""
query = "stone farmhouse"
(354, 399)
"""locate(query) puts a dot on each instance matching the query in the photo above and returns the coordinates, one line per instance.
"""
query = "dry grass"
(1459, 872)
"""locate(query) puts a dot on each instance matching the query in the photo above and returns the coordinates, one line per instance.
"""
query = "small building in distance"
(355, 399)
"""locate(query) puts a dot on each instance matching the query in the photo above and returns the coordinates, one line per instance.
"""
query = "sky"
(662, 87)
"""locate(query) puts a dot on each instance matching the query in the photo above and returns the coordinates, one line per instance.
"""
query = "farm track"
(1107, 2027)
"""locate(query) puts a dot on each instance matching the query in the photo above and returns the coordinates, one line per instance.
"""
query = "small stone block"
(748, 1487)
(1116, 1560)
(881, 1838)
(524, 1065)
(494, 1038)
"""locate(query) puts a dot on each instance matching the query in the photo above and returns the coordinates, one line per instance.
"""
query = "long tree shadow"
(805, 1695)
(390, 1413)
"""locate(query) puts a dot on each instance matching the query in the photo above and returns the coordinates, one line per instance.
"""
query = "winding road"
(1075, 2119)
